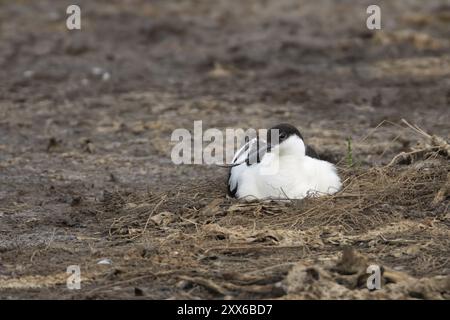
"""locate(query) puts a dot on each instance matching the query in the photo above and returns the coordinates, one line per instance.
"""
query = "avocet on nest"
(280, 167)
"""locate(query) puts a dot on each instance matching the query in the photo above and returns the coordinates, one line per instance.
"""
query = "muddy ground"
(85, 170)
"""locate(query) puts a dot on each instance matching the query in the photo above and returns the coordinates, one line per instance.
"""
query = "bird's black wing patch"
(231, 193)
(310, 152)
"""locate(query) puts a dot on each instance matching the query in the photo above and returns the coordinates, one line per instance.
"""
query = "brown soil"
(85, 169)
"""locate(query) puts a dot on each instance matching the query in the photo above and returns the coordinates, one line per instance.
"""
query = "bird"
(280, 167)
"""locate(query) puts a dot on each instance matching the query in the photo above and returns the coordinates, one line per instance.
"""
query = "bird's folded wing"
(252, 152)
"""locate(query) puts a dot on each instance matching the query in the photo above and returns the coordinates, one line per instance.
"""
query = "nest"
(368, 199)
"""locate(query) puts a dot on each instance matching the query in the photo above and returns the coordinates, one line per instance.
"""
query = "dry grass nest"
(413, 184)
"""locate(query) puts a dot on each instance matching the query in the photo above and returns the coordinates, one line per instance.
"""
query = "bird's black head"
(284, 131)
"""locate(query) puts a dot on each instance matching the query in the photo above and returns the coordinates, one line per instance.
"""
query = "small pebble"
(28, 74)
(105, 262)
(106, 76)
(97, 71)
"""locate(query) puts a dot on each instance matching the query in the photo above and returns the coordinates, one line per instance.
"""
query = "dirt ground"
(85, 170)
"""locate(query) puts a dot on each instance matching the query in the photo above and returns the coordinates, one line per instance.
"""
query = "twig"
(251, 248)
(50, 241)
(151, 213)
(209, 284)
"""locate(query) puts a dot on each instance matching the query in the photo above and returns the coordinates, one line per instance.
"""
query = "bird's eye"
(283, 135)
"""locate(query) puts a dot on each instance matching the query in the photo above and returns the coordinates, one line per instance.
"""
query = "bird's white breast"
(284, 176)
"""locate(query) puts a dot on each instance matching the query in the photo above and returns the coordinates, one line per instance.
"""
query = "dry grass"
(396, 215)
(202, 244)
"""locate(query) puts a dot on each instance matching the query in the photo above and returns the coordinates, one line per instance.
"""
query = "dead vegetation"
(85, 171)
(395, 215)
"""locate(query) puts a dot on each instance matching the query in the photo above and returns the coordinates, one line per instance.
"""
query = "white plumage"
(287, 171)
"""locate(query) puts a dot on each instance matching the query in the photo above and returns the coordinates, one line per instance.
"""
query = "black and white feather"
(280, 168)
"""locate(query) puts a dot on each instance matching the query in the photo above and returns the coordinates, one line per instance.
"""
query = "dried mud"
(85, 170)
